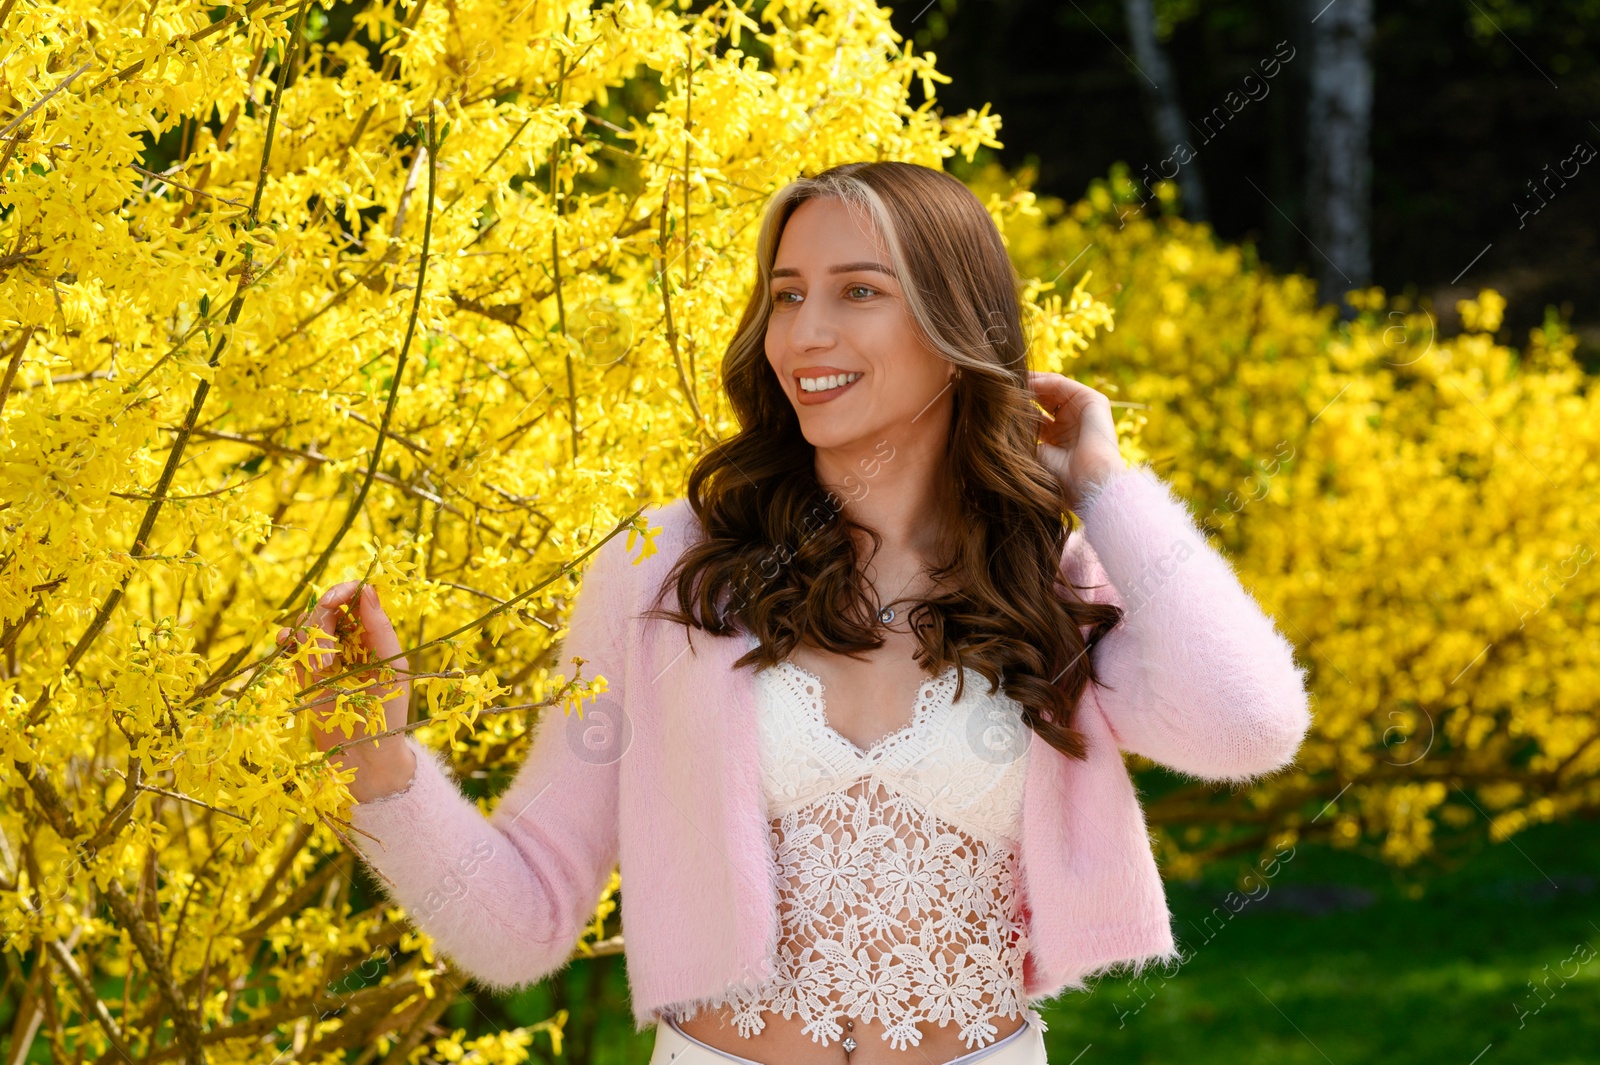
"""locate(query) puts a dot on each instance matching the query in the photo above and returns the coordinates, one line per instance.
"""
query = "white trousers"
(1025, 1046)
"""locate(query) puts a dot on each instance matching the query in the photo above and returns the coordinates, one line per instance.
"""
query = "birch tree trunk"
(1161, 96)
(1338, 149)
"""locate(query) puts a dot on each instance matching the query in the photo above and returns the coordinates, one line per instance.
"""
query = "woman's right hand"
(361, 632)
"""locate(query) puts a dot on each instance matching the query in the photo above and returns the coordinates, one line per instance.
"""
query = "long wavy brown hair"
(778, 558)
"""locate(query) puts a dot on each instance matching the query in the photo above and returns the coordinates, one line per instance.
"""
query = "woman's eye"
(777, 297)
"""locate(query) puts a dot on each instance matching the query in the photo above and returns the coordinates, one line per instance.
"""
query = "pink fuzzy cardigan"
(661, 774)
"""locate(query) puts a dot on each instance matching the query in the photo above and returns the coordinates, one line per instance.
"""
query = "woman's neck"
(911, 511)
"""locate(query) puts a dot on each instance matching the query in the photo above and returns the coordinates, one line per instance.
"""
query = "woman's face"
(842, 341)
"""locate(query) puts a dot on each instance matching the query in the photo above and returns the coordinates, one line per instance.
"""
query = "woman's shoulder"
(675, 516)
(637, 560)
(678, 527)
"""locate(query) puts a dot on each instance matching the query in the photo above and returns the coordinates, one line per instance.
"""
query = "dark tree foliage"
(1479, 109)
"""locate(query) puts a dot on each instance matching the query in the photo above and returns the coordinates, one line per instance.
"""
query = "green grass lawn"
(1334, 963)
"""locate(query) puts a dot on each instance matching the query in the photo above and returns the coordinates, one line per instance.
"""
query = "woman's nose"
(811, 325)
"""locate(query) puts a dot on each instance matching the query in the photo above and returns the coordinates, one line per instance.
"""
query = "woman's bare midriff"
(782, 1042)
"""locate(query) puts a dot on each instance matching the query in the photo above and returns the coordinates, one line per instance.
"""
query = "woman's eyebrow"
(839, 268)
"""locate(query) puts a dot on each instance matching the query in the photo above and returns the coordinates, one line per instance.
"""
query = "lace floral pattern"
(898, 876)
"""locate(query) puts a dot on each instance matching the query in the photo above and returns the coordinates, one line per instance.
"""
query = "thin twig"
(14, 362)
(186, 798)
(62, 84)
(394, 383)
(89, 1002)
(574, 431)
(186, 188)
(192, 495)
(666, 307)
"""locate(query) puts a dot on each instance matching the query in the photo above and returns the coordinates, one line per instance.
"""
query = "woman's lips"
(811, 399)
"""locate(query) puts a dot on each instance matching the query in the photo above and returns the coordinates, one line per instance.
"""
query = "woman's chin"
(838, 437)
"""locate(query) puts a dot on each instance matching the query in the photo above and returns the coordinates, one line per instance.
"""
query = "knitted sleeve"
(507, 896)
(1195, 676)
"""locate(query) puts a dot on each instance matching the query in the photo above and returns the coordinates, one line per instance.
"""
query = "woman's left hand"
(1080, 444)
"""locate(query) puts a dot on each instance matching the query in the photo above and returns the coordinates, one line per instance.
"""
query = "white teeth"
(822, 384)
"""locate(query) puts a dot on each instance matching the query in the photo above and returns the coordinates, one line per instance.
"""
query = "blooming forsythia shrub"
(435, 295)
(1417, 512)
(432, 294)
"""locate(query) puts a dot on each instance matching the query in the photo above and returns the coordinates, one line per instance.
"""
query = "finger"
(1100, 421)
(339, 593)
(1065, 419)
(288, 640)
(284, 638)
(1095, 415)
(290, 637)
(1038, 382)
(316, 618)
(322, 618)
(377, 632)
(1053, 390)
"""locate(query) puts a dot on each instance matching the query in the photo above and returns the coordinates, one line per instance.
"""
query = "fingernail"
(327, 595)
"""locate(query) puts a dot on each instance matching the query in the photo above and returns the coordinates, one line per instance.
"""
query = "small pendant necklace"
(886, 611)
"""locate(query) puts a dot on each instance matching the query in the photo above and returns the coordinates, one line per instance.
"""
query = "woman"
(833, 846)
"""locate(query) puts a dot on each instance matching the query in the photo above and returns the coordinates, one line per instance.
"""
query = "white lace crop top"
(898, 877)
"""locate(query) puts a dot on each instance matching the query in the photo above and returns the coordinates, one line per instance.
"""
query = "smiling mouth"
(830, 383)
